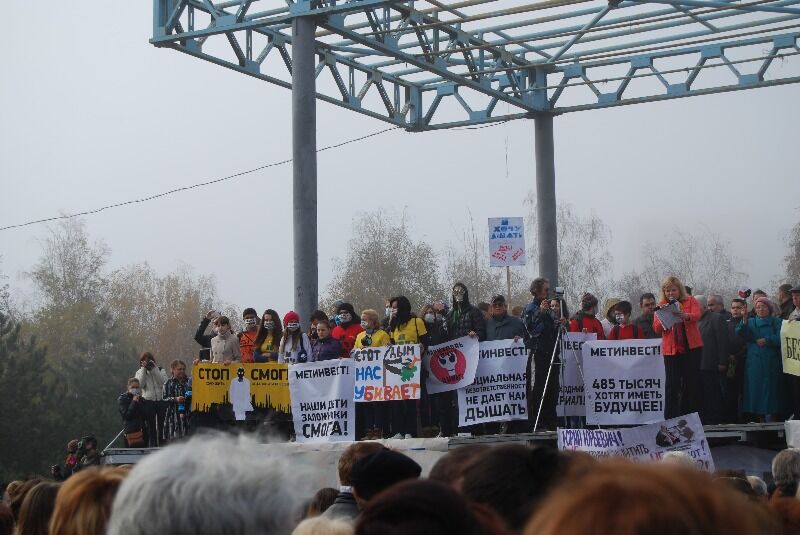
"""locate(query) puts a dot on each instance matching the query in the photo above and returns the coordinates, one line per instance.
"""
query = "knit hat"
(610, 303)
(380, 470)
(291, 316)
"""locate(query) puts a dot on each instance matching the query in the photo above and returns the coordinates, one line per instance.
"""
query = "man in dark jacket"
(464, 319)
(541, 330)
(785, 300)
(132, 409)
(713, 363)
(204, 339)
(501, 326)
(737, 352)
(344, 506)
(647, 306)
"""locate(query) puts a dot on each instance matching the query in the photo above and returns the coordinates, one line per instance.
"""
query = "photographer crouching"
(152, 379)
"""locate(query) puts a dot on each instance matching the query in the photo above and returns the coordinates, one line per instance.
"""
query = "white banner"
(322, 400)
(387, 373)
(624, 381)
(451, 365)
(643, 443)
(498, 393)
(571, 394)
(506, 241)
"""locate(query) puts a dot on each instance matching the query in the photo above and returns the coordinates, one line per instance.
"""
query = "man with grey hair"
(786, 472)
(214, 484)
(759, 487)
(713, 363)
(717, 304)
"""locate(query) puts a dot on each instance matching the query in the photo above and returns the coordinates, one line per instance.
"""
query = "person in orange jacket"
(681, 346)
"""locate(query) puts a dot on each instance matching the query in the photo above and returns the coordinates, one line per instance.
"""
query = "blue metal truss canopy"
(430, 64)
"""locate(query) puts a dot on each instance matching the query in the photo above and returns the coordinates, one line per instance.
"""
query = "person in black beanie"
(379, 471)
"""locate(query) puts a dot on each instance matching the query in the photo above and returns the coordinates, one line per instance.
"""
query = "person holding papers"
(676, 320)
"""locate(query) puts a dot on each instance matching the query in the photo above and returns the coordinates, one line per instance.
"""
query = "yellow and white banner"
(790, 347)
(246, 386)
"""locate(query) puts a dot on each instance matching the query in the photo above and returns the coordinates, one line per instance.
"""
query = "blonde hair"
(321, 525)
(372, 317)
(83, 503)
(672, 281)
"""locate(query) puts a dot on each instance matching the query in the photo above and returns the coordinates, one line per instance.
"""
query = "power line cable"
(193, 186)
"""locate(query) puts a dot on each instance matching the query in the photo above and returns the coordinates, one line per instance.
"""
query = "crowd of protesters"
(228, 484)
(722, 357)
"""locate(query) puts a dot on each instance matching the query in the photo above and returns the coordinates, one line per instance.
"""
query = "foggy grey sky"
(92, 114)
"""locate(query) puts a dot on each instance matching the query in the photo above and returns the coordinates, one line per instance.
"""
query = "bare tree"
(584, 260)
(160, 313)
(383, 260)
(70, 270)
(468, 262)
(791, 262)
(701, 259)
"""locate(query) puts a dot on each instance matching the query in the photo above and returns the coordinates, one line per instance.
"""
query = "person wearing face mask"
(247, 338)
(585, 320)
(433, 316)
(204, 339)
(405, 328)
(370, 417)
(387, 314)
(268, 339)
(295, 344)
(133, 415)
(348, 328)
(624, 329)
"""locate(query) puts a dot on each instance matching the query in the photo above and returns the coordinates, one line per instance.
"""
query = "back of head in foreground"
(648, 499)
(83, 503)
(425, 507)
(212, 484)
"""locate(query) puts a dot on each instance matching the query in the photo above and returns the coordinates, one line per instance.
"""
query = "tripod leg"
(547, 381)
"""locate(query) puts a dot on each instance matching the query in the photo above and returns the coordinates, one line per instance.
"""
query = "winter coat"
(764, 391)
(225, 348)
(504, 328)
(152, 382)
(344, 506)
(132, 413)
(630, 331)
(200, 337)
(581, 321)
(461, 321)
(325, 349)
(690, 306)
(713, 331)
(645, 323)
(346, 337)
(539, 326)
(291, 352)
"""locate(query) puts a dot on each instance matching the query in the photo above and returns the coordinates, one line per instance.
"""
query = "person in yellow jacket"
(370, 416)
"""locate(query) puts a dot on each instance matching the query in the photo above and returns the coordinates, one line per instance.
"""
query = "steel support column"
(546, 198)
(304, 152)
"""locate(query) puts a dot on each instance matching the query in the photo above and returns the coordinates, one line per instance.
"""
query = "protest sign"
(498, 392)
(643, 443)
(322, 400)
(506, 241)
(451, 365)
(624, 381)
(387, 373)
(264, 386)
(790, 347)
(571, 394)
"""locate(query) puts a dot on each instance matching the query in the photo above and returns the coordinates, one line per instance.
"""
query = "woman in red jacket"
(682, 348)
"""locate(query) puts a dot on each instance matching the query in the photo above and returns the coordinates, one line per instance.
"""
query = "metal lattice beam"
(427, 64)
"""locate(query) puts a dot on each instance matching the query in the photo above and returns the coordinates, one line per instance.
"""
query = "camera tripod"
(562, 330)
